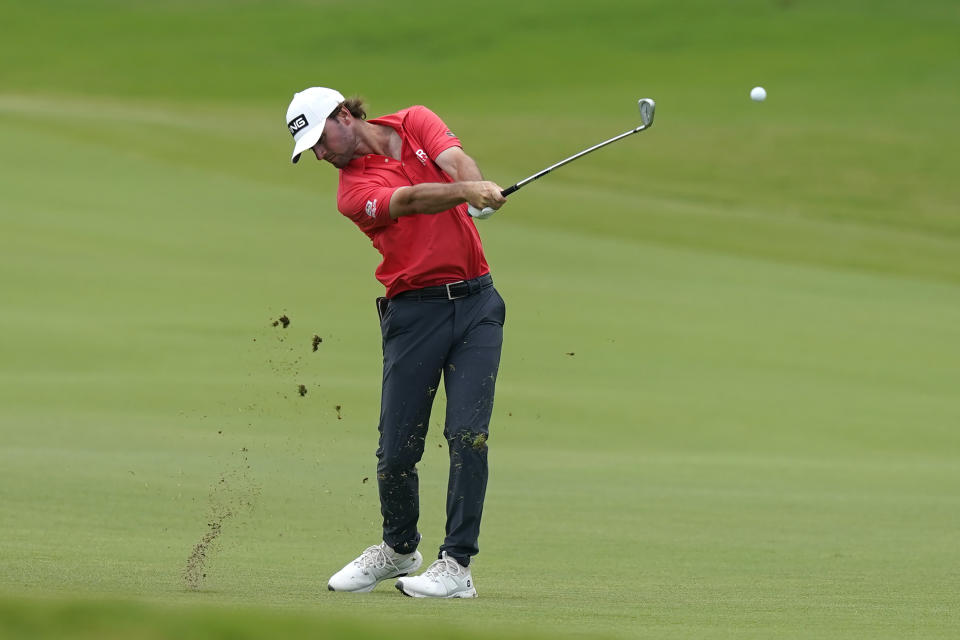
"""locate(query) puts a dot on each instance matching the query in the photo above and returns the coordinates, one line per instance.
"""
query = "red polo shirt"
(419, 250)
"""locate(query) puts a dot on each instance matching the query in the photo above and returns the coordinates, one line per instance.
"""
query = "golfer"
(406, 182)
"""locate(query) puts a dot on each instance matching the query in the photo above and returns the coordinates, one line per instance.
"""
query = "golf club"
(646, 106)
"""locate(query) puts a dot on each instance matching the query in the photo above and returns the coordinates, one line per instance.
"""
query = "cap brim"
(309, 139)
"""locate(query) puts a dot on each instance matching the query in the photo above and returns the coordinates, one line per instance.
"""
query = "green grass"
(728, 400)
(108, 619)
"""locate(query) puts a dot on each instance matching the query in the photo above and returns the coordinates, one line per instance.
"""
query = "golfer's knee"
(399, 454)
(397, 462)
(468, 439)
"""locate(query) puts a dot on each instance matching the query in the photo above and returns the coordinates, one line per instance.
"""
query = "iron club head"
(647, 107)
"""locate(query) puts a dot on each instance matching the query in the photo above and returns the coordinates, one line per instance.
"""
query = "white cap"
(307, 114)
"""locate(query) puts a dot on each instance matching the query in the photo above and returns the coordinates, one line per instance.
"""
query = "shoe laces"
(375, 557)
(443, 565)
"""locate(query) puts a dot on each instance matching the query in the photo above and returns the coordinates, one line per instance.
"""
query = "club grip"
(509, 190)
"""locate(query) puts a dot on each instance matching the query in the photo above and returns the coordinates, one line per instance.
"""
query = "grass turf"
(727, 406)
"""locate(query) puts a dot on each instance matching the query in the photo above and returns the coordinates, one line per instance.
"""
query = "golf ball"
(758, 94)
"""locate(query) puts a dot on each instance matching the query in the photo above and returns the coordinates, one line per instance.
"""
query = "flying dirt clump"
(316, 342)
(194, 574)
(282, 320)
(233, 494)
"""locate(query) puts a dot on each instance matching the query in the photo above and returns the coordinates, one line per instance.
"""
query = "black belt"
(450, 291)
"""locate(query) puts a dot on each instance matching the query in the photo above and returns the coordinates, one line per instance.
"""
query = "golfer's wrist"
(465, 190)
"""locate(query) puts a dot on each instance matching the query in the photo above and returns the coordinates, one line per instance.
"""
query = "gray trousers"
(422, 339)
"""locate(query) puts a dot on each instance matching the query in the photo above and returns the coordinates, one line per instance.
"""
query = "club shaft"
(544, 172)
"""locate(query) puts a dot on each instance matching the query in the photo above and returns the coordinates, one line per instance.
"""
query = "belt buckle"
(450, 295)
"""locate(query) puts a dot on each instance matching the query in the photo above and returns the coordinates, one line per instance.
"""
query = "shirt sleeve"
(433, 134)
(366, 203)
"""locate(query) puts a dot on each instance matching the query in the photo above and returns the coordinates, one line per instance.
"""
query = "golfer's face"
(336, 144)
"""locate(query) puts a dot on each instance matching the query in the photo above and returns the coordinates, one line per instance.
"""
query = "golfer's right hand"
(484, 194)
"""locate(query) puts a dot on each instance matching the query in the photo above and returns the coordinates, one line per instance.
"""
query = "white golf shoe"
(374, 565)
(445, 578)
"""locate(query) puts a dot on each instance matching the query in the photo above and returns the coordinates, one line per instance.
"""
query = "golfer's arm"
(427, 197)
(458, 165)
(434, 197)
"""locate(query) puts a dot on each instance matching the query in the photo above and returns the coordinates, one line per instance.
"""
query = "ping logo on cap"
(297, 124)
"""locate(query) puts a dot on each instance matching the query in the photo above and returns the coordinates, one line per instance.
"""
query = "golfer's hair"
(354, 106)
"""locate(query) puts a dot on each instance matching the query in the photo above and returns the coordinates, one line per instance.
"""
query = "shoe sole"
(472, 593)
(374, 585)
(370, 588)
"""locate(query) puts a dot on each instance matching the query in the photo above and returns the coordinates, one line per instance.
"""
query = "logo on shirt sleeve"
(423, 156)
(372, 208)
(450, 133)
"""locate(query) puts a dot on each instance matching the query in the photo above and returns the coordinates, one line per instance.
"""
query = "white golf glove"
(480, 214)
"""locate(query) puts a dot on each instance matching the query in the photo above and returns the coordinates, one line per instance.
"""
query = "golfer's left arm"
(458, 165)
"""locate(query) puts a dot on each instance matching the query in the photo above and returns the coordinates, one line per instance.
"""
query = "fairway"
(728, 401)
